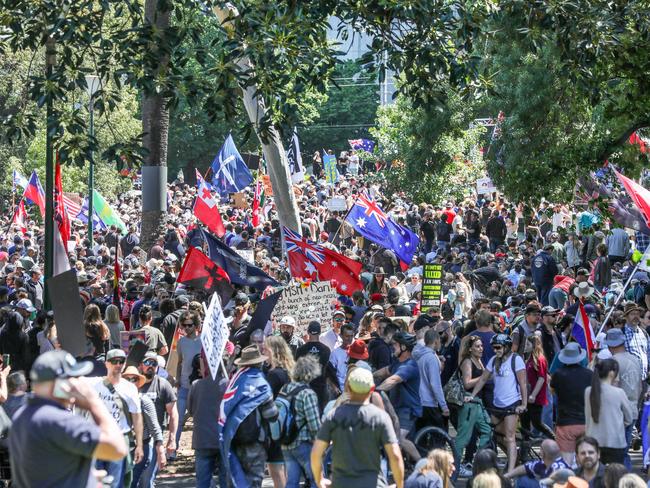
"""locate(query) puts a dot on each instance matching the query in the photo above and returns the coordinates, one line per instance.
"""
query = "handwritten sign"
(239, 200)
(431, 286)
(305, 304)
(268, 189)
(337, 204)
(214, 335)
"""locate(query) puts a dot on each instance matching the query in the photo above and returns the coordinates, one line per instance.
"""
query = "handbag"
(454, 390)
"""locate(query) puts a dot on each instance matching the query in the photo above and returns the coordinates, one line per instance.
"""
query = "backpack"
(285, 429)
(248, 431)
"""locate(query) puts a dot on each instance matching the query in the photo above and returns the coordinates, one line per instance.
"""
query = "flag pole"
(618, 298)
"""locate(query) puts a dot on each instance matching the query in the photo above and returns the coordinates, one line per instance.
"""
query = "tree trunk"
(274, 154)
(155, 125)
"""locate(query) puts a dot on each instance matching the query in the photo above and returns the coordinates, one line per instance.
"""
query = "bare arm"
(172, 411)
(396, 462)
(163, 350)
(521, 379)
(536, 388)
(381, 374)
(316, 458)
(516, 473)
(390, 383)
(4, 393)
(466, 370)
(137, 428)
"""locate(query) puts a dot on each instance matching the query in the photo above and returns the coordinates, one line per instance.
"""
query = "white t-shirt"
(506, 388)
(127, 391)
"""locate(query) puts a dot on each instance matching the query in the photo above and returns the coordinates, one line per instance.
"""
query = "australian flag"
(369, 220)
(229, 171)
(240, 271)
(362, 144)
(246, 391)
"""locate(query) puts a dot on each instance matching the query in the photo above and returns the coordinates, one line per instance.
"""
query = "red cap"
(376, 297)
(358, 350)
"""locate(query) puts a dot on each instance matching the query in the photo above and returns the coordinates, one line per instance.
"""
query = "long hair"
(92, 313)
(440, 462)
(603, 368)
(281, 356)
(537, 351)
(487, 479)
(112, 314)
(466, 347)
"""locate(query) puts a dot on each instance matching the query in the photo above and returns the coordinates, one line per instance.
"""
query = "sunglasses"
(117, 361)
(188, 325)
(497, 348)
(339, 319)
(150, 362)
(131, 379)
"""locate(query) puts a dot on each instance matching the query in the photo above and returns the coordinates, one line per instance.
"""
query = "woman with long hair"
(442, 463)
(96, 330)
(537, 375)
(508, 371)
(114, 324)
(607, 412)
(471, 416)
(281, 363)
(486, 462)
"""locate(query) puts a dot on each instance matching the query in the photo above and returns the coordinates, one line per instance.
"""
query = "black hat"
(241, 299)
(58, 364)
(314, 327)
(421, 322)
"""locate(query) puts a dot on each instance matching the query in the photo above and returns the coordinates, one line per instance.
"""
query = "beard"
(149, 374)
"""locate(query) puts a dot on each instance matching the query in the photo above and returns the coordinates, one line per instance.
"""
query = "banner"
(313, 302)
(431, 286)
(329, 164)
(214, 335)
(485, 186)
(247, 254)
(337, 204)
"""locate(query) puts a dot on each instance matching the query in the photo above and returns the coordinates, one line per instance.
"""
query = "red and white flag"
(256, 203)
(20, 216)
(206, 210)
(639, 195)
(61, 227)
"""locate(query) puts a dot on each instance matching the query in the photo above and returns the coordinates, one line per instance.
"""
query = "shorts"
(567, 435)
(503, 412)
(274, 453)
(406, 420)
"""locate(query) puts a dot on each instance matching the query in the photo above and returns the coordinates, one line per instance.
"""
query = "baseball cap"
(150, 355)
(288, 320)
(314, 327)
(421, 322)
(360, 381)
(115, 353)
(25, 304)
(548, 310)
(338, 312)
(58, 364)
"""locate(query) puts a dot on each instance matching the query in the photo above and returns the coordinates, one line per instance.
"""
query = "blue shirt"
(538, 470)
(406, 396)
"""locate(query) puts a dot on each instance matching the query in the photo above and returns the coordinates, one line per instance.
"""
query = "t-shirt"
(406, 395)
(51, 447)
(533, 373)
(160, 391)
(506, 387)
(188, 348)
(569, 384)
(124, 393)
(538, 470)
(358, 433)
(154, 339)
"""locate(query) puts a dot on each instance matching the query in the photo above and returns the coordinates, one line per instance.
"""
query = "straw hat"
(133, 371)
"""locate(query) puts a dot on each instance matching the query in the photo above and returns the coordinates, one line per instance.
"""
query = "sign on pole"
(329, 164)
(485, 186)
(431, 286)
(214, 335)
(313, 302)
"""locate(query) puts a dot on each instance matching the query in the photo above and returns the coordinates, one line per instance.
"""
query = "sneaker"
(464, 472)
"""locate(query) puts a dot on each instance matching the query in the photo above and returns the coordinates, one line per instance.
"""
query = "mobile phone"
(61, 389)
(6, 360)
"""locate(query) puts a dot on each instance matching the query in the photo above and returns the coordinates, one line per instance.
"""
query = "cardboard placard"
(128, 339)
(247, 254)
(239, 200)
(268, 189)
(431, 286)
(214, 335)
(63, 291)
(314, 302)
(136, 353)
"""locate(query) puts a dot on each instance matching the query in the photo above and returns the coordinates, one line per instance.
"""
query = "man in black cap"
(240, 319)
(50, 446)
(316, 348)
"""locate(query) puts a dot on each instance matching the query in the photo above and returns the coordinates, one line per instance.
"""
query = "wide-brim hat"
(572, 353)
(133, 371)
(251, 356)
(631, 307)
(583, 290)
(379, 270)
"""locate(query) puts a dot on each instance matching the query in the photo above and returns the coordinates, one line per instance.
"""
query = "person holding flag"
(636, 339)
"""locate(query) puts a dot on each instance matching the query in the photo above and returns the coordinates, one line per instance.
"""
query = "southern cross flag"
(294, 158)
(19, 180)
(34, 193)
(369, 220)
(229, 172)
(581, 330)
(240, 271)
(246, 390)
(83, 216)
(308, 260)
(362, 144)
(206, 209)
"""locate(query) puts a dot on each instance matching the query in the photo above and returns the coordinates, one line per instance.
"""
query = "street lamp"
(92, 85)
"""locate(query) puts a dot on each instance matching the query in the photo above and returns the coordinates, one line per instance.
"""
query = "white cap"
(288, 320)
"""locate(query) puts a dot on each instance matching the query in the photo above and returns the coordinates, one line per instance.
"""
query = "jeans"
(526, 482)
(547, 410)
(149, 454)
(181, 403)
(114, 469)
(628, 438)
(206, 461)
(542, 294)
(298, 465)
(494, 243)
(557, 298)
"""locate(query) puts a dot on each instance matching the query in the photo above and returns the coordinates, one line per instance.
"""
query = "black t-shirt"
(277, 378)
(428, 230)
(322, 352)
(569, 383)
(161, 393)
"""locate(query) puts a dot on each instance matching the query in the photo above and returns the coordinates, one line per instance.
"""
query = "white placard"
(214, 335)
(313, 302)
(485, 186)
(337, 204)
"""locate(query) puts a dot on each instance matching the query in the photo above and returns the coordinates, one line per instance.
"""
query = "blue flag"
(239, 270)
(247, 390)
(98, 223)
(229, 172)
(369, 220)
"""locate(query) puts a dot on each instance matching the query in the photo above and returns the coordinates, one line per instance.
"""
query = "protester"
(588, 459)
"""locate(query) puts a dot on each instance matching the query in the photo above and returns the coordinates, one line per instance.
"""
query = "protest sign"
(485, 186)
(329, 164)
(247, 254)
(268, 189)
(214, 335)
(431, 286)
(307, 303)
(337, 204)
(63, 290)
(239, 200)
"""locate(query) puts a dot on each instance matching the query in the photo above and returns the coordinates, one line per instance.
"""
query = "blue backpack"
(285, 429)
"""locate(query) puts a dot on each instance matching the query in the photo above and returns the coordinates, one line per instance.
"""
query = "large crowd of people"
(497, 366)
